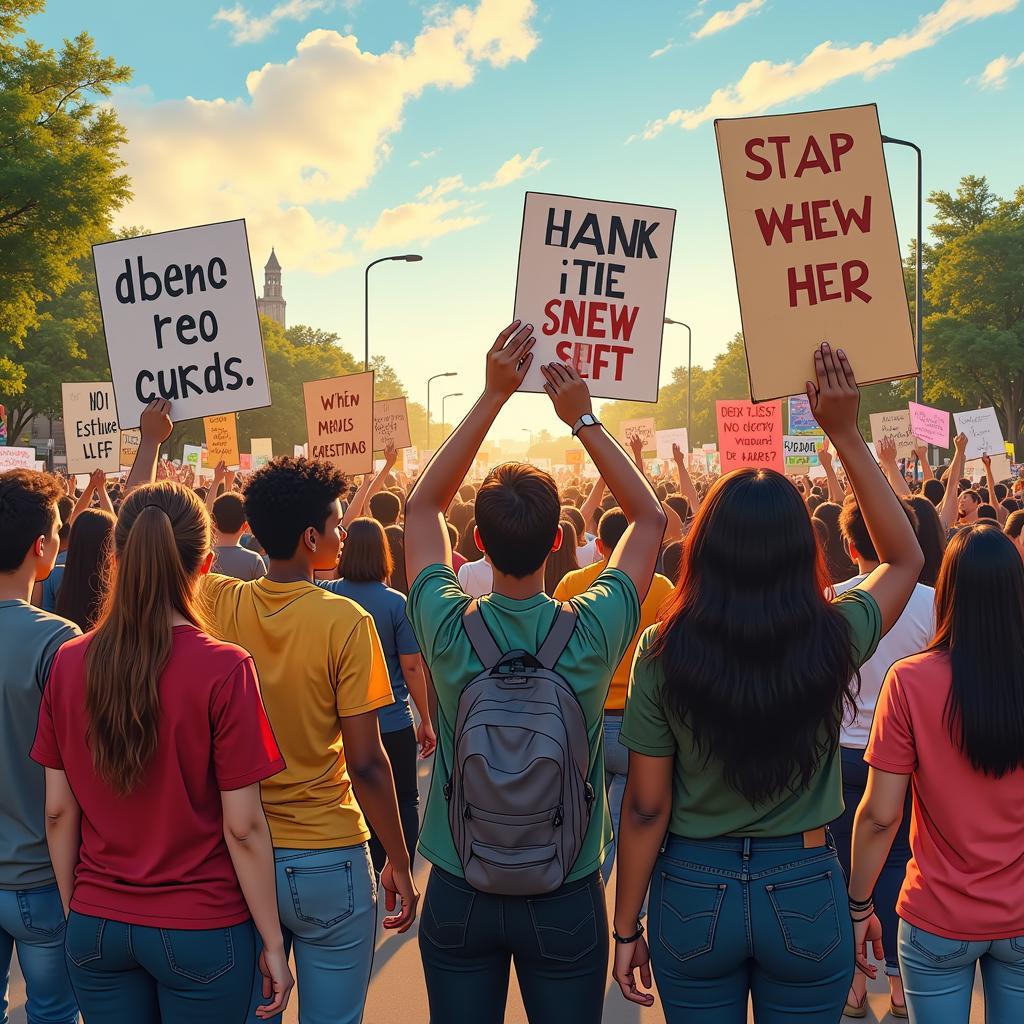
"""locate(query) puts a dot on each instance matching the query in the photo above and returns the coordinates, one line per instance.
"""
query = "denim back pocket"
(806, 909)
(41, 911)
(200, 956)
(689, 915)
(321, 894)
(83, 941)
(936, 948)
(565, 924)
(446, 909)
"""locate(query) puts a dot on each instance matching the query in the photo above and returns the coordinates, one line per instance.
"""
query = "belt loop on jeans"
(746, 849)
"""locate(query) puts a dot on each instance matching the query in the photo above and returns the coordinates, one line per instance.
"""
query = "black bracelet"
(624, 941)
(861, 904)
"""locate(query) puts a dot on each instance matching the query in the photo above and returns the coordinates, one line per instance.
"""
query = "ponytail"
(162, 538)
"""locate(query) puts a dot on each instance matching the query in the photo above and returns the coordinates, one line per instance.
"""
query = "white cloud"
(250, 28)
(721, 20)
(428, 155)
(308, 132)
(514, 168)
(662, 50)
(765, 85)
(994, 75)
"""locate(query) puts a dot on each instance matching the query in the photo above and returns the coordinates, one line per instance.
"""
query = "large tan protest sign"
(592, 280)
(391, 424)
(749, 435)
(814, 245)
(92, 436)
(339, 421)
(221, 440)
(895, 425)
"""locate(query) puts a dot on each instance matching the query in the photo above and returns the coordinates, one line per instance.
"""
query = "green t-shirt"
(704, 805)
(608, 616)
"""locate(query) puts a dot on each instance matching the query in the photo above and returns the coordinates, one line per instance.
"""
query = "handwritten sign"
(222, 439)
(339, 420)
(814, 244)
(592, 280)
(799, 446)
(664, 439)
(391, 424)
(749, 435)
(17, 458)
(92, 435)
(262, 451)
(930, 425)
(802, 422)
(180, 320)
(130, 441)
(644, 429)
(895, 424)
(984, 435)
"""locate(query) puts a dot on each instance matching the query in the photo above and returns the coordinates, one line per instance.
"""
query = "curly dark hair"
(28, 505)
(288, 496)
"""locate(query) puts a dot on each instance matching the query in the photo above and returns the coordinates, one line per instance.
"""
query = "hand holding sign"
(509, 360)
(568, 392)
(833, 395)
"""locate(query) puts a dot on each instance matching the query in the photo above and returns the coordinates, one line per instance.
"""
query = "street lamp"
(689, 367)
(408, 258)
(454, 394)
(527, 430)
(430, 380)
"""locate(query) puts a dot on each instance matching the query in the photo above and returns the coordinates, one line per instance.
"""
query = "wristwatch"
(588, 419)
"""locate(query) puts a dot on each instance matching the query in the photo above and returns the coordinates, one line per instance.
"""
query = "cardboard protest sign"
(92, 436)
(592, 280)
(895, 424)
(130, 441)
(391, 424)
(930, 425)
(262, 451)
(1002, 469)
(814, 245)
(339, 420)
(664, 439)
(749, 435)
(191, 455)
(644, 429)
(574, 458)
(984, 435)
(222, 439)
(179, 316)
(16, 458)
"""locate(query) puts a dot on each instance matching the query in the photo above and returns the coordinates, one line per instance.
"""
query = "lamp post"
(689, 366)
(454, 394)
(527, 430)
(430, 380)
(408, 258)
(918, 269)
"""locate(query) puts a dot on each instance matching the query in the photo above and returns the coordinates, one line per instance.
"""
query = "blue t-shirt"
(387, 609)
(52, 583)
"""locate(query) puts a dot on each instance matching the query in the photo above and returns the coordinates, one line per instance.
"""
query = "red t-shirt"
(157, 857)
(966, 875)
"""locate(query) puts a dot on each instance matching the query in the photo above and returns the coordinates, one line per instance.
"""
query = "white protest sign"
(191, 455)
(664, 439)
(261, 450)
(643, 428)
(16, 458)
(179, 315)
(592, 280)
(92, 437)
(800, 446)
(299, 451)
(391, 424)
(895, 424)
(984, 435)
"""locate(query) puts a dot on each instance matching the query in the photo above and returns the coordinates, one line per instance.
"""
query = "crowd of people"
(787, 715)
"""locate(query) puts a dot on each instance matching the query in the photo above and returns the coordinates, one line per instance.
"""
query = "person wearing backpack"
(516, 825)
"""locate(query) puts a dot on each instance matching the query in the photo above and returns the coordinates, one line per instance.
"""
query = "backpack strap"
(558, 636)
(480, 636)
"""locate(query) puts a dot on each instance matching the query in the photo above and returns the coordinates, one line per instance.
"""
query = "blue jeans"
(33, 921)
(938, 977)
(764, 917)
(616, 764)
(125, 973)
(327, 901)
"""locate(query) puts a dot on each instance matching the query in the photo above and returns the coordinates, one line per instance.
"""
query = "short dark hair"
(288, 496)
(986, 511)
(934, 491)
(517, 514)
(611, 528)
(28, 507)
(65, 506)
(1014, 524)
(672, 559)
(679, 505)
(366, 556)
(396, 543)
(467, 492)
(229, 512)
(1000, 492)
(386, 508)
(973, 494)
(855, 530)
(575, 516)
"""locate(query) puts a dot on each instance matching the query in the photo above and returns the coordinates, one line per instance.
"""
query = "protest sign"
(391, 424)
(339, 420)
(895, 424)
(180, 320)
(299, 451)
(1001, 469)
(984, 435)
(930, 425)
(245, 461)
(574, 459)
(191, 455)
(749, 435)
(16, 458)
(92, 437)
(814, 245)
(803, 423)
(221, 440)
(262, 450)
(644, 429)
(1011, 450)
(799, 447)
(592, 280)
(130, 441)
(664, 439)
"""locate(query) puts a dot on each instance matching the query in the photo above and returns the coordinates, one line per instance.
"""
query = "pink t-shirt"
(966, 874)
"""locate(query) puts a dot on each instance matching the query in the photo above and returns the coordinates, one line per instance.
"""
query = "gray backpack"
(519, 801)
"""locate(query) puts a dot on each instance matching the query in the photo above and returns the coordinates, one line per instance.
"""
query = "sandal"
(899, 1010)
(856, 1009)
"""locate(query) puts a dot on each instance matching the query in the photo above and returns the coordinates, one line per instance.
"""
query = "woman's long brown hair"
(161, 539)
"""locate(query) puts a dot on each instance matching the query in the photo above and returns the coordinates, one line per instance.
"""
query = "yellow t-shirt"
(319, 660)
(575, 583)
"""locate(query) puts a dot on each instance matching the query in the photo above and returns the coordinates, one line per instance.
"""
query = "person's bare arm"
(686, 488)
(155, 427)
(674, 525)
(990, 482)
(589, 507)
(947, 510)
(415, 673)
(85, 498)
(636, 554)
(102, 495)
(212, 493)
(63, 832)
(886, 448)
(369, 487)
(921, 451)
(636, 446)
(835, 488)
(835, 399)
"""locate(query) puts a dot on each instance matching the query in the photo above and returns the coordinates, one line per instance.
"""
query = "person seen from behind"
(227, 510)
(83, 588)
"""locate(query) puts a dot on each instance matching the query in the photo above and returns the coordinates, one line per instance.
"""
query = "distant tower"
(272, 304)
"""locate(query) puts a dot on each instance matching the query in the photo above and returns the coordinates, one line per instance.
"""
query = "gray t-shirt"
(243, 564)
(29, 638)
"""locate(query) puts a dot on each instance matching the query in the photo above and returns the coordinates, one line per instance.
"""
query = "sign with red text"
(642, 428)
(814, 245)
(984, 435)
(180, 320)
(92, 435)
(749, 434)
(592, 280)
(391, 424)
(895, 425)
(339, 421)
(665, 439)
(221, 440)
(930, 425)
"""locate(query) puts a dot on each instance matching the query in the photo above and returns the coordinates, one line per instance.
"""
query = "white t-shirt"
(912, 633)
(477, 578)
(587, 554)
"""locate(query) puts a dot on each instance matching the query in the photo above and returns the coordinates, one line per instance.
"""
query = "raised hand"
(156, 421)
(390, 454)
(960, 443)
(509, 359)
(834, 396)
(568, 392)
(97, 480)
(886, 448)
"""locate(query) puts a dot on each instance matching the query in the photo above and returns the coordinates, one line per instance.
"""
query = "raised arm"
(991, 482)
(921, 451)
(886, 448)
(686, 488)
(85, 498)
(589, 508)
(947, 510)
(155, 427)
(835, 488)
(219, 472)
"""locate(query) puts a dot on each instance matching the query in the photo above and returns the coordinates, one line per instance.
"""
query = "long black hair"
(979, 615)
(838, 563)
(931, 536)
(755, 659)
(83, 587)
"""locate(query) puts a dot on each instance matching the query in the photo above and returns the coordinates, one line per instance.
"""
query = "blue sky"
(422, 132)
